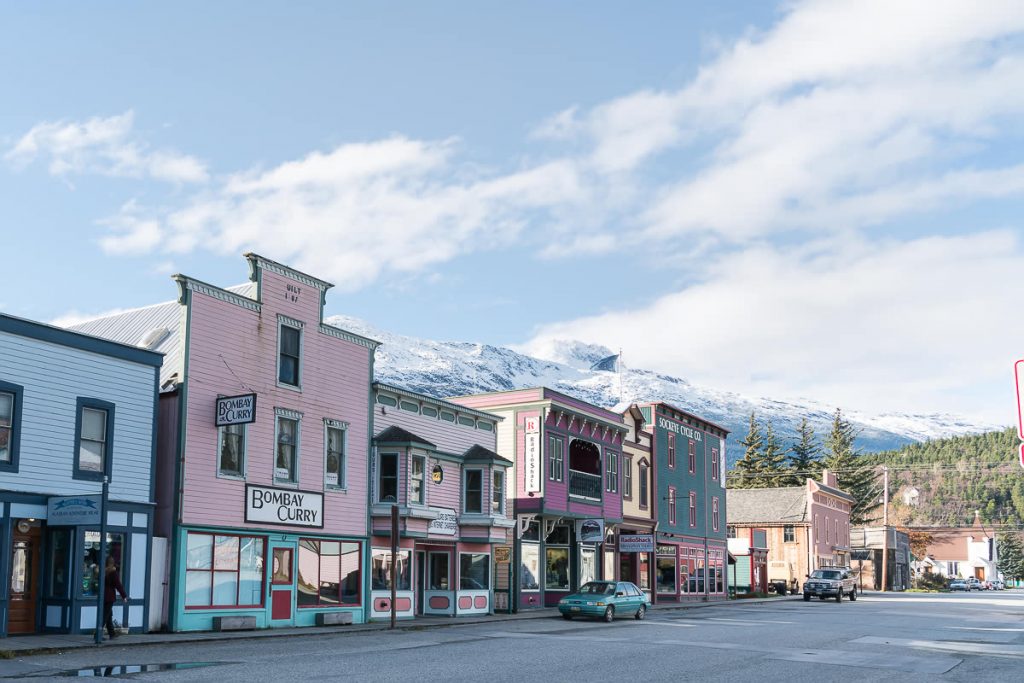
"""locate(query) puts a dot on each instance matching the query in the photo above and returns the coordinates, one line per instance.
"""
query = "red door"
(282, 584)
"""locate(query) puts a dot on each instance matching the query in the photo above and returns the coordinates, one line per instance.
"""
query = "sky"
(812, 199)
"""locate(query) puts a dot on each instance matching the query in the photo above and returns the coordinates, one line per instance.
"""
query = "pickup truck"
(830, 583)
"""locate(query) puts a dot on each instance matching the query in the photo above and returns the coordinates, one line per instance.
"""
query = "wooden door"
(24, 580)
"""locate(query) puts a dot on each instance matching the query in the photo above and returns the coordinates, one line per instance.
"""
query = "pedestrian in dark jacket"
(111, 587)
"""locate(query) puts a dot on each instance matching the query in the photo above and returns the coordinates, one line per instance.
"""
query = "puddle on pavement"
(118, 670)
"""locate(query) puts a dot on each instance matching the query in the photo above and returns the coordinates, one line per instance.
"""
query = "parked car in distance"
(973, 583)
(605, 599)
(958, 585)
(830, 583)
(998, 585)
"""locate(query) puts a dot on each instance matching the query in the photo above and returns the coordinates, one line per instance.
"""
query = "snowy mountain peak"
(588, 371)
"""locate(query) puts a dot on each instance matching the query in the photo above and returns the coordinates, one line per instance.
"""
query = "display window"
(556, 569)
(223, 571)
(474, 571)
(529, 570)
(91, 573)
(329, 573)
(380, 570)
(59, 550)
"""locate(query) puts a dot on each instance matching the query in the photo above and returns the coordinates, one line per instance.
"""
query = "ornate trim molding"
(290, 322)
(288, 413)
(339, 333)
(257, 261)
(186, 283)
(337, 424)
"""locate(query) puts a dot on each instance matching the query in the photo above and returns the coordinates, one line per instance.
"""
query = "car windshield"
(597, 588)
(822, 574)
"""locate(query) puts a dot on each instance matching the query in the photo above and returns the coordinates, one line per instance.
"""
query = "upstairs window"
(286, 460)
(290, 355)
(417, 491)
(671, 505)
(643, 486)
(693, 457)
(627, 477)
(714, 464)
(231, 447)
(10, 425)
(387, 483)
(693, 509)
(611, 472)
(789, 534)
(671, 449)
(498, 493)
(94, 431)
(474, 491)
(714, 514)
(556, 459)
(334, 458)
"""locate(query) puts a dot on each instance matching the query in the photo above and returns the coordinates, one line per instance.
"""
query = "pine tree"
(773, 459)
(854, 474)
(744, 475)
(805, 456)
(1011, 556)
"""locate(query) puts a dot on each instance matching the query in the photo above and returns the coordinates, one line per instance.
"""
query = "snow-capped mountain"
(587, 371)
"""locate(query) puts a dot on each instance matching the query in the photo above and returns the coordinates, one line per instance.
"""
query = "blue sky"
(814, 199)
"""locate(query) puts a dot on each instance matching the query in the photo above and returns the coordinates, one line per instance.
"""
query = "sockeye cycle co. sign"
(236, 410)
(284, 506)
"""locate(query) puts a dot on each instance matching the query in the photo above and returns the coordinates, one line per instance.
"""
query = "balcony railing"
(584, 485)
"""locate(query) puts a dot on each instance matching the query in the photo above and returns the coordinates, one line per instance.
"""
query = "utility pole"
(885, 526)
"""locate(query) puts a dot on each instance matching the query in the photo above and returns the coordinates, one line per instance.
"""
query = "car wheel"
(807, 597)
(853, 595)
(567, 617)
(839, 595)
(641, 613)
(609, 613)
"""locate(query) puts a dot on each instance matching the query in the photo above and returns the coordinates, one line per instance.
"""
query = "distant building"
(749, 574)
(808, 526)
(960, 552)
(866, 546)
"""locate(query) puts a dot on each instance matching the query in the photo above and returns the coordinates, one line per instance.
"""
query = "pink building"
(264, 437)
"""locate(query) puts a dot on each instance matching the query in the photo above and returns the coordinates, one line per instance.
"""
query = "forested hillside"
(954, 477)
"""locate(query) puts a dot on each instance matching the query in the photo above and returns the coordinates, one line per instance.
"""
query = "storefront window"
(529, 574)
(645, 572)
(473, 574)
(687, 581)
(559, 535)
(223, 571)
(91, 560)
(700, 571)
(556, 569)
(60, 565)
(532, 532)
(381, 570)
(329, 573)
(666, 575)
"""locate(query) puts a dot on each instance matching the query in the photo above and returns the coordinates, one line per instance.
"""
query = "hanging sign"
(236, 410)
(502, 554)
(284, 506)
(636, 543)
(437, 474)
(591, 531)
(531, 455)
(72, 510)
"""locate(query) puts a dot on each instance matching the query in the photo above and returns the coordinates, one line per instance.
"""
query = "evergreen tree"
(1011, 555)
(855, 475)
(773, 459)
(744, 475)
(805, 456)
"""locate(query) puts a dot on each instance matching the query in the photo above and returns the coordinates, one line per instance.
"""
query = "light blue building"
(73, 409)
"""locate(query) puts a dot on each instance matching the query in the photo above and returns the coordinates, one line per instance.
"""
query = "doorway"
(24, 578)
(282, 584)
(421, 585)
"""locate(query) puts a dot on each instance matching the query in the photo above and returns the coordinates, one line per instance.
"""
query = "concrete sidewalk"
(21, 646)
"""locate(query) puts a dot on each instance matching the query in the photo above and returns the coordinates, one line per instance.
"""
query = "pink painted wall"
(826, 513)
(232, 350)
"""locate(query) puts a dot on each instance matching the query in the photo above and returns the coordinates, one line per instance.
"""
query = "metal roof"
(779, 505)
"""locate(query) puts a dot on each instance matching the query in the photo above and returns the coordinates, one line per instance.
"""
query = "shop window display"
(91, 560)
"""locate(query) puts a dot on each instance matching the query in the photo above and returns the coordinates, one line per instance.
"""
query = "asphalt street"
(956, 637)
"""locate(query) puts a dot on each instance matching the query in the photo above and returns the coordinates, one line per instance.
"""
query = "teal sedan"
(605, 599)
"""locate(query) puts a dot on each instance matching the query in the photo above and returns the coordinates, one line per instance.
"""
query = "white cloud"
(76, 317)
(106, 146)
(359, 211)
(875, 326)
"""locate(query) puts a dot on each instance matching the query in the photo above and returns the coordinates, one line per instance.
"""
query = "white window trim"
(285, 321)
(342, 485)
(408, 493)
(245, 454)
(288, 415)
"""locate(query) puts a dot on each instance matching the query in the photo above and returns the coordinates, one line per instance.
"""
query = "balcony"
(583, 485)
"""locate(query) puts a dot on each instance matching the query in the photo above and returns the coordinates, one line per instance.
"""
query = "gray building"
(866, 547)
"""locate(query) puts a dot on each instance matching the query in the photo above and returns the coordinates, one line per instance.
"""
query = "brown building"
(807, 527)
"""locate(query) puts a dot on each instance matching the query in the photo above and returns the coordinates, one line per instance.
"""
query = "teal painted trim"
(441, 403)
(13, 445)
(179, 470)
(77, 340)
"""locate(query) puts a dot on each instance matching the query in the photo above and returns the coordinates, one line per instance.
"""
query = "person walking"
(111, 587)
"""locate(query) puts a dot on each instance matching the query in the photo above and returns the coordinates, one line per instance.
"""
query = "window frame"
(343, 457)
(413, 459)
(495, 474)
(692, 455)
(627, 476)
(643, 487)
(715, 518)
(296, 325)
(487, 566)
(671, 451)
(380, 476)
(14, 443)
(244, 459)
(108, 445)
(280, 414)
(693, 509)
(341, 547)
(789, 530)
(611, 465)
(465, 491)
(714, 464)
(238, 571)
(672, 505)
(556, 466)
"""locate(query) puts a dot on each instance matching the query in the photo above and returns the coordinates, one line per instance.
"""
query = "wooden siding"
(233, 350)
(54, 377)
